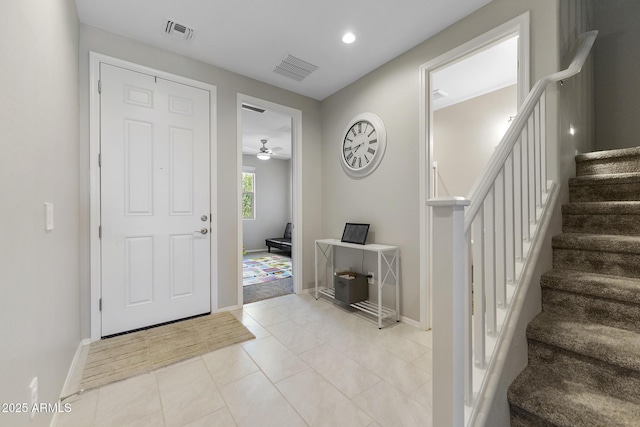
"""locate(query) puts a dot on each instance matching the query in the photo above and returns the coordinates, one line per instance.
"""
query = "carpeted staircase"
(584, 347)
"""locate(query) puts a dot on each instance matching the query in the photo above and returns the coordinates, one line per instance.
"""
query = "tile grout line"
(164, 419)
(226, 405)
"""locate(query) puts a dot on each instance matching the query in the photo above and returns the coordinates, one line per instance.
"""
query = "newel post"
(448, 254)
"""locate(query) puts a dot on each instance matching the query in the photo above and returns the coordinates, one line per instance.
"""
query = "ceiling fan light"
(263, 156)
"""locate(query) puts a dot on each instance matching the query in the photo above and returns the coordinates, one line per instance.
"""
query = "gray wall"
(39, 279)
(228, 86)
(272, 201)
(389, 198)
(462, 152)
(617, 55)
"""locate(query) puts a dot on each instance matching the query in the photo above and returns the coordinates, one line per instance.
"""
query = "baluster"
(524, 186)
(468, 325)
(517, 200)
(531, 144)
(526, 217)
(489, 264)
(500, 256)
(478, 292)
(543, 142)
(526, 230)
(538, 162)
(510, 247)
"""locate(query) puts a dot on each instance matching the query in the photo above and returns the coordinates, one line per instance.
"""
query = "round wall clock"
(363, 145)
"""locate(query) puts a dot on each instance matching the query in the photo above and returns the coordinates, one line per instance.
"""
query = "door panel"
(155, 187)
(181, 166)
(182, 266)
(138, 168)
(138, 270)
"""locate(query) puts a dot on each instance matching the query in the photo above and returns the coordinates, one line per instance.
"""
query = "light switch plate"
(48, 216)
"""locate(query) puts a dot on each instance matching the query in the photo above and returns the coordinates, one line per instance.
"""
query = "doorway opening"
(478, 85)
(269, 150)
(480, 90)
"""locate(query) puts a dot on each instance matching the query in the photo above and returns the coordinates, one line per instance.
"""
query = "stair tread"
(608, 154)
(560, 397)
(602, 208)
(605, 179)
(598, 285)
(616, 346)
(584, 347)
(597, 242)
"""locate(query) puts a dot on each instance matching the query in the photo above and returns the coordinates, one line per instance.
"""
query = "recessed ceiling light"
(348, 38)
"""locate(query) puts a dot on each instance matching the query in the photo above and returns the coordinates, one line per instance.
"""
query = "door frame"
(516, 26)
(296, 176)
(95, 59)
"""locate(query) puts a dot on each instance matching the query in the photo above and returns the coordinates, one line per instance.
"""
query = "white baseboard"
(229, 308)
(410, 322)
(251, 251)
(73, 366)
(65, 387)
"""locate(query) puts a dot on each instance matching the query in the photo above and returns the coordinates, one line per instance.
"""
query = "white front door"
(155, 200)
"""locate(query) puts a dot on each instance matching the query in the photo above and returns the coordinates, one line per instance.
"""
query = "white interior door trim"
(94, 176)
(518, 25)
(296, 158)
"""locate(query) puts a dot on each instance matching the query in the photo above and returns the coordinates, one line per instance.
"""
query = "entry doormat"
(265, 269)
(125, 356)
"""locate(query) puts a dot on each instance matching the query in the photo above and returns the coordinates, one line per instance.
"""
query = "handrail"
(481, 188)
(488, 246)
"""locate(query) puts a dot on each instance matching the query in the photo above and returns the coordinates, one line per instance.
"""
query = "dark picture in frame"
(355, 233)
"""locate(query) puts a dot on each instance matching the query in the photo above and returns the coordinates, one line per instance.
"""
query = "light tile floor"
(312, 364)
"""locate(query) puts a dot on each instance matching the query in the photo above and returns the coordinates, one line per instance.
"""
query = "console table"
(388, 257)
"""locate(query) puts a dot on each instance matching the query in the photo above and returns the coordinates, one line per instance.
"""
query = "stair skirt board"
(584, 347)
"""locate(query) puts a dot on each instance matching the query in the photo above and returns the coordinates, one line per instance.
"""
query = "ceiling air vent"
(179, 31)
(252, 108)
(295, 68)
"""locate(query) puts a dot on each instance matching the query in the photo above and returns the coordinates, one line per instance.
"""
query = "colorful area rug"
(265, 269)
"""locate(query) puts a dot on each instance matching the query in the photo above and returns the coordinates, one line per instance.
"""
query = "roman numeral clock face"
(363, 145)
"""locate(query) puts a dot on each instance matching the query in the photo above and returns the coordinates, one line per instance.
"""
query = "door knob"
(203, 231)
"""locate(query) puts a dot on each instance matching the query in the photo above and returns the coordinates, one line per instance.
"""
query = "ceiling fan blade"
(250, 149)
(277, 149)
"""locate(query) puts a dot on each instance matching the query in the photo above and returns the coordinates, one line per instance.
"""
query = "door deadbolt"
(204, 217)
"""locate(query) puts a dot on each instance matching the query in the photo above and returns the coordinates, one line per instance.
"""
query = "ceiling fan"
(266, 153)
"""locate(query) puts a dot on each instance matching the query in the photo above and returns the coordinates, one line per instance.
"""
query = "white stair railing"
(483, 245)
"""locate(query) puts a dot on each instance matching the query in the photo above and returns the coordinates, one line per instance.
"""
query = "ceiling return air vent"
(253, 108)
(177, 30)
(294, 68)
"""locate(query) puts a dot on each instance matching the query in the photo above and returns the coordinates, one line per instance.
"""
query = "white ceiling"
(252, 37)
(491, 69)
(270, 125)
